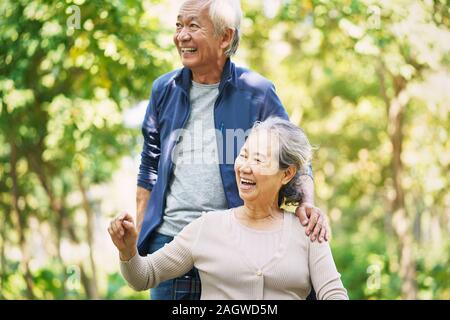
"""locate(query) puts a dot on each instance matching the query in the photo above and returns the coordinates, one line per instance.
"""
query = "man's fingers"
(312, 222)
(317, 229)
(301, 213)
(322, 234)
(327, 231)
(326, 228)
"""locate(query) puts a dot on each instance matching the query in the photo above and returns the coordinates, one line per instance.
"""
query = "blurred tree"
(354, 74)
(63, 90)
(367, 79)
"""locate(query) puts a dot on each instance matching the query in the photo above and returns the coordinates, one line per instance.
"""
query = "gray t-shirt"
(196, 185)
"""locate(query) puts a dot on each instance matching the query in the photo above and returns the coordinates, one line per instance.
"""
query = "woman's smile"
(247, 185)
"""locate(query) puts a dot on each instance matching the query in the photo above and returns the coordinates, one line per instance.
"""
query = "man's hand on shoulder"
(314, 221)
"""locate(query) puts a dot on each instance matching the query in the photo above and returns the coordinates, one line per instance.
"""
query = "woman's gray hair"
(294, 150)
(227, 14)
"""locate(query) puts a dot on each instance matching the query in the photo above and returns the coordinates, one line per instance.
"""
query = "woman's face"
(258, 175)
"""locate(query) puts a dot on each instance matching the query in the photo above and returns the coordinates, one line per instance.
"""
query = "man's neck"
(210, 75)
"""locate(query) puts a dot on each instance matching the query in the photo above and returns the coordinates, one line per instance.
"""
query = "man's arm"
(307, 189)
(310, 216)
(142, 198)
(148, 168)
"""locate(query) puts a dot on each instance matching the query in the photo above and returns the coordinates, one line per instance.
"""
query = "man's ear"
(227, 38)
(289, 173)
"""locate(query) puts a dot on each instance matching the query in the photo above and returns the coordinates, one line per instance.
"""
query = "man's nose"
(183, 35)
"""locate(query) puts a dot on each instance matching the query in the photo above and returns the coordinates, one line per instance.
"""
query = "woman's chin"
(247, 195)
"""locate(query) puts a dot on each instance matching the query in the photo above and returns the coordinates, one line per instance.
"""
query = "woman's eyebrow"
(260, 154)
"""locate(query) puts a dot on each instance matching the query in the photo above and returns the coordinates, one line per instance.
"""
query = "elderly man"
(208, 95)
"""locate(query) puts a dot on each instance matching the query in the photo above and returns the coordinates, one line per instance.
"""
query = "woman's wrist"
(126, 255)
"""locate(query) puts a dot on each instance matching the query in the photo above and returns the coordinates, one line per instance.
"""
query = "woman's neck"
(260, 212)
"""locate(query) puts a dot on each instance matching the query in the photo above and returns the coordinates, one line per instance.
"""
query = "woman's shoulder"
(207, 222)
(297, 229)
(292, 216)
(214, 216)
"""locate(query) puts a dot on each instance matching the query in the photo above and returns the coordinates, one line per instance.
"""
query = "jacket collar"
(184, 77)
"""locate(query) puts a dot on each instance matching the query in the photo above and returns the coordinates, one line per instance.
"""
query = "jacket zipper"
(222, 129)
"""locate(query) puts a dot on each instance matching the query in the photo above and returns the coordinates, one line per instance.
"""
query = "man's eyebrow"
(191, 17)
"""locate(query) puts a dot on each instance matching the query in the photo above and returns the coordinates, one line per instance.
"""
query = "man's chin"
(189, 63)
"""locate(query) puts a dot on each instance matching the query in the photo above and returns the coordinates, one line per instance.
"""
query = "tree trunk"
(20, 224)
(59, 228)
(56, 205)
(2, 258)
(402, 225)
(90, 233)
(86, 281)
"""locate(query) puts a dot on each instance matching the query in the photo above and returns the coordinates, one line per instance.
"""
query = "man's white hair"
(226, 14)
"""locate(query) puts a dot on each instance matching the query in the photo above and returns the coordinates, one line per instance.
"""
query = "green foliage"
(118, 289)
(339, 67)
(63, 91)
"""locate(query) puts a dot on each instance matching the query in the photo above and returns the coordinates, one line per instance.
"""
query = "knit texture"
(259, 246)
(227, 272)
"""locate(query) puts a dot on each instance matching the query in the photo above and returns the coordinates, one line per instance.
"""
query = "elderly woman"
(250, 252)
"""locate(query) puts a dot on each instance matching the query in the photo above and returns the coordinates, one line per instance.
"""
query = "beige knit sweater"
(225, 270)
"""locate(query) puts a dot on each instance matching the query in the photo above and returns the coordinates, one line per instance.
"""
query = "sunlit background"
(368, 80)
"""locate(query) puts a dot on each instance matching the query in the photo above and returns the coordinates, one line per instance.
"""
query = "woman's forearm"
(169, 262)
(137, 272)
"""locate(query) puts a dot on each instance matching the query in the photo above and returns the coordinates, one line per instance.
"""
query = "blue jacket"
(244, 97)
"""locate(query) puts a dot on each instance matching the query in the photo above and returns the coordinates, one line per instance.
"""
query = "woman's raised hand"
(124, 235)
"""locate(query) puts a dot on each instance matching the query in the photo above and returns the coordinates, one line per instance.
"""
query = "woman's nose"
(245, 167)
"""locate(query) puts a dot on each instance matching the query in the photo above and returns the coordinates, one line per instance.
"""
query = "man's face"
(194, 38)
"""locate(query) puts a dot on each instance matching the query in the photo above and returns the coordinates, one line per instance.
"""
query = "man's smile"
(188, 50)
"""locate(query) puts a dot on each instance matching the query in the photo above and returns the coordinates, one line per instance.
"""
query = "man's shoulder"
(251, 80)
(166, 79)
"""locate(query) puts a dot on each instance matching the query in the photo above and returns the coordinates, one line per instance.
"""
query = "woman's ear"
(289, 173)
(227, 37)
